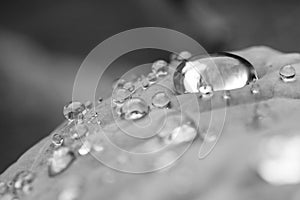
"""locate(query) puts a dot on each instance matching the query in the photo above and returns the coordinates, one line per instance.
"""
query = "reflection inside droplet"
(223, 71)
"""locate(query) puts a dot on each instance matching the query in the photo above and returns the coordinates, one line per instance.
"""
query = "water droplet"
(22, 181)
(222, 71)
(255, 89)
(100, 100)
(183, 133)
(287, 73)
(57, 139)
(74, 111)
(3, 188)
(134, 108)
(61, 159)
(160, 68)
(206, 91)
(85, 148)
(152, 77)
(161, 100)
(279, 162)
(120, 95)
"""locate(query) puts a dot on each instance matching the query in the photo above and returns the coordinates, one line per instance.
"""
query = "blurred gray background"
(42, 44)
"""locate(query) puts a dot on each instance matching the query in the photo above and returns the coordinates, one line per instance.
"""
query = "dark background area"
(42, 44)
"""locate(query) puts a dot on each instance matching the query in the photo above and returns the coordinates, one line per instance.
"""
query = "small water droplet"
(223, 71)
(22, 181)
(134, 108)
(129, 86)
(57, 139)
(100, 100)
(74, 111)
(287, 73)
(161, 100)
(3, 188)
(120, 95)
(183, 133)
(206, 91)
(61, 159)
(160, 68)
(85, 148)
(255, 89)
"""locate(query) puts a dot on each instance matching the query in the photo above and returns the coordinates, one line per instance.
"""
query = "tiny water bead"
(79, 131)
(57, 139)
(74, 111)
(161, 100)
(134, 108)
(227, 95)
(287, 73)
(222, 71)
(255, 89)
(145, 83)
(151, 77)
(160, 68)
(61, 159)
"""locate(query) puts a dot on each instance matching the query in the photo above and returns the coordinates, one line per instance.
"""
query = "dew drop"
(61, 159)
(160, 68)
(255, 89)
(134, 108)
(120, 95)
(287, 73)
(145, 83)
(74, 111)
(161, 100)
(223, 71)
(57, 139)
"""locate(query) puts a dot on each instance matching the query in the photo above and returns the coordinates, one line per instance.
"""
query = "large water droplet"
(62, 158)
(74, 111)
(160, 68)
(287, 73)
(134, 108)
(222, 71)
(161, 100)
